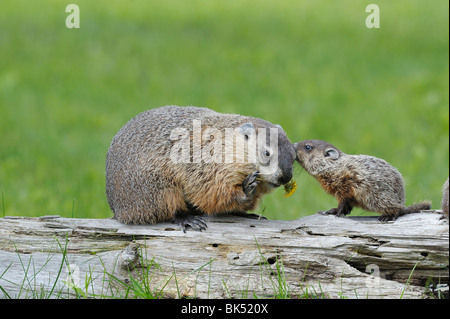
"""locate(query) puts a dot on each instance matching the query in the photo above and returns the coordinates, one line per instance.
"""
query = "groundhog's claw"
(193, 221)
(384, 218)
(333, 211)
(249, 184)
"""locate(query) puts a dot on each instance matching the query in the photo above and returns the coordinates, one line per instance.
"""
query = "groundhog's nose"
(286, 177)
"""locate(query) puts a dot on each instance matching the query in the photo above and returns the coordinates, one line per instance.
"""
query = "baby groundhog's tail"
(416, 207)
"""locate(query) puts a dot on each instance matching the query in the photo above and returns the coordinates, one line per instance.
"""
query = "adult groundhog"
(356, 180)
(174, 163)
(444, 202)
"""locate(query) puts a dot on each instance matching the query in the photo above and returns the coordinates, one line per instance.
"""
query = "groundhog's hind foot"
(248, 215)
(392, 214)
(387, 218)
(193, 221)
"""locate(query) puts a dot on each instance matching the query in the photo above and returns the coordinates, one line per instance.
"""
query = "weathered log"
(312, 257)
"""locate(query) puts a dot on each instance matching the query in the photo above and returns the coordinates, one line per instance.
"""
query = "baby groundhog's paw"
(249, 184)
(193, 221)
(333, 211)
(387, 218)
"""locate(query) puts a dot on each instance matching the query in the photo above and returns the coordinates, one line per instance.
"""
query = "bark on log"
(312, 257)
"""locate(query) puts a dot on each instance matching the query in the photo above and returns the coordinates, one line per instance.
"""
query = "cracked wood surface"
(314, 256)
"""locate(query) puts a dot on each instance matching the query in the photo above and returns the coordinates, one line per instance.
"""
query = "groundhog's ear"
(247, 129)
(331, 153)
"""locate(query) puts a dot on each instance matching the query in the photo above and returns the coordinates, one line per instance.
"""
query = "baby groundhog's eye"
(308, 147)
(267, 153)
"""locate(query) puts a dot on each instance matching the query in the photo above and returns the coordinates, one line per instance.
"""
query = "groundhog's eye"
(308, 147)
(267, 153)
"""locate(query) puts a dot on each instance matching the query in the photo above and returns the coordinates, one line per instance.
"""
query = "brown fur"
(356, 180)
(144, 185)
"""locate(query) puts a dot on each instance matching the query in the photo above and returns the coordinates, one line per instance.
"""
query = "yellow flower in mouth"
(289, 188)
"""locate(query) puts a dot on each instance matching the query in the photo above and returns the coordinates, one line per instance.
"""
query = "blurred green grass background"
(311, 66)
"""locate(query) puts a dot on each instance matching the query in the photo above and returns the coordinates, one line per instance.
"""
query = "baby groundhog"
(174, 163)
(356, 180)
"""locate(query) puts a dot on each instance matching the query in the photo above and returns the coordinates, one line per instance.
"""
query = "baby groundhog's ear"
(247, 129)
(331, 153)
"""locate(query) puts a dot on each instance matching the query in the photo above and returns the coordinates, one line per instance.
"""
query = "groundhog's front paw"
(249, 184)
(333, 211)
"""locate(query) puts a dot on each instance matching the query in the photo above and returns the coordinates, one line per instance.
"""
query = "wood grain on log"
(312, 257)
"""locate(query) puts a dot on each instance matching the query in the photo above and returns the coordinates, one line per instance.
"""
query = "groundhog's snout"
(300, 155)
(285, 177)
(285, 164)
(296, 150)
